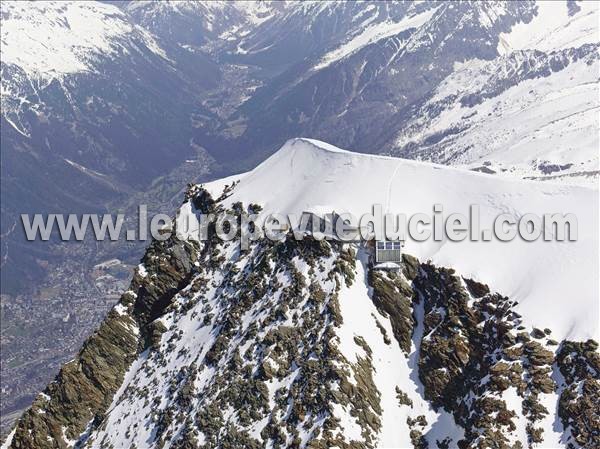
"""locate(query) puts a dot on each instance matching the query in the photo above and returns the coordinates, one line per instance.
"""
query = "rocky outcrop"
(579, 364)
(393, 297)
(472, 354)
(237, 348)
(168, 266)
(83, 389)
(75, 402)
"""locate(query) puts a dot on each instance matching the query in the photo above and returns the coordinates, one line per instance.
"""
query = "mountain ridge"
(308, 173)
(179, 92)
(305, 344)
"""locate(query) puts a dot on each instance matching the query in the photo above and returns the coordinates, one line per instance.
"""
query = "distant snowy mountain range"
(427, 80)
(531, 112)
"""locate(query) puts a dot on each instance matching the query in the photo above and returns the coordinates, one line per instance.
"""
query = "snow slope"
(554, 28)
(294, 342)
(532, 112)
(555, 283)
(373, 34)
(49, 39)
(549, 119)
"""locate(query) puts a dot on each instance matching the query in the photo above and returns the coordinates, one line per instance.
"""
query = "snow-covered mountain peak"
(306, 344)
(306, 174)
(48, 39)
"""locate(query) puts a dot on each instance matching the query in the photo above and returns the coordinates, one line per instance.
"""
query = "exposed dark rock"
(403, 398)
(393, 298)
(537, 333)
(84, 387)
(410, 266)
(273, 319)
(476, 289)
(579, 364)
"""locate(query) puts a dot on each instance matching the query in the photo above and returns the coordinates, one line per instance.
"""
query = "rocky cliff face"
(76, 401)
(302, 344)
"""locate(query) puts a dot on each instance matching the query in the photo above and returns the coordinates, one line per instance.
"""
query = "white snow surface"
(54, 38)
(549, 120)
(392, 368)
(9, 438)
(552, 120)
(373, 34)
(552, 28)
(555, 283)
